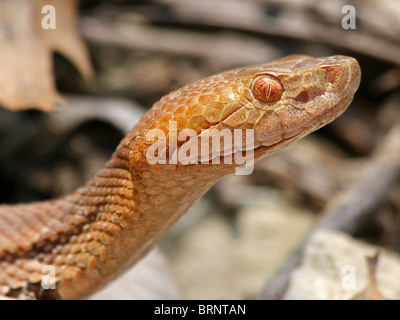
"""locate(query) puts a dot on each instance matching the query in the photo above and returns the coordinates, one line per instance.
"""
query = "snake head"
(312, 93)
(259, 108)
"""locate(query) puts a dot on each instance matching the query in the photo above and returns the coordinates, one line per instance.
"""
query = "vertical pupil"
(268, 90)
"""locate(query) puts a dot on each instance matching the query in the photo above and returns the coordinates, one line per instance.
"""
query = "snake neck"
(118, 216)
(95, 233)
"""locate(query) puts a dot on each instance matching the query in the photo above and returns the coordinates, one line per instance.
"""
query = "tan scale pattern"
(94, 234)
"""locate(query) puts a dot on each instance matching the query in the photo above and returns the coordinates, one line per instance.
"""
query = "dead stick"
(250, 18)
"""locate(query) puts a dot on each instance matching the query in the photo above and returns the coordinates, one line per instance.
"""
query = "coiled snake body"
(98, 231)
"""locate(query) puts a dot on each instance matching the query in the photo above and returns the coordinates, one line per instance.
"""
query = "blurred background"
(113, 59)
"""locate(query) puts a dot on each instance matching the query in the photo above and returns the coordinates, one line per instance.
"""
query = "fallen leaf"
(26, 48)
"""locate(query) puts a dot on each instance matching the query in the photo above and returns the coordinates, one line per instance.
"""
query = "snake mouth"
(316, 122)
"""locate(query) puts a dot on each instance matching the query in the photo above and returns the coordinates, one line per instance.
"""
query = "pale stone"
(334, 266)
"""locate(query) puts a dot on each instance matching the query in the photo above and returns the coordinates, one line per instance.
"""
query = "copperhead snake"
(92, 235)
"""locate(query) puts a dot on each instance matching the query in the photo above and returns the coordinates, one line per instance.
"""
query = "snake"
(81, 241)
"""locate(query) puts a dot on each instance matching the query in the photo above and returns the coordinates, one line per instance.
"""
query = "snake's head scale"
(268, 106)
(300, 94)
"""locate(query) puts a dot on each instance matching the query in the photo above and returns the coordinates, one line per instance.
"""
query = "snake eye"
(266, 89)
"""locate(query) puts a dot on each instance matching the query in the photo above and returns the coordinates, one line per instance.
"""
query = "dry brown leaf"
(26, 78)
(371, 292)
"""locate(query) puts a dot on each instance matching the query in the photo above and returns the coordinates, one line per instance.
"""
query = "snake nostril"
(330, 73)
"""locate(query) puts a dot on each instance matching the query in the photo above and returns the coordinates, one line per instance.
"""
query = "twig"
(251, 18)
(292, 21)
(220, 49)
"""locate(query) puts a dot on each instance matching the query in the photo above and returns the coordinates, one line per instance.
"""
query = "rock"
(335, 267)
